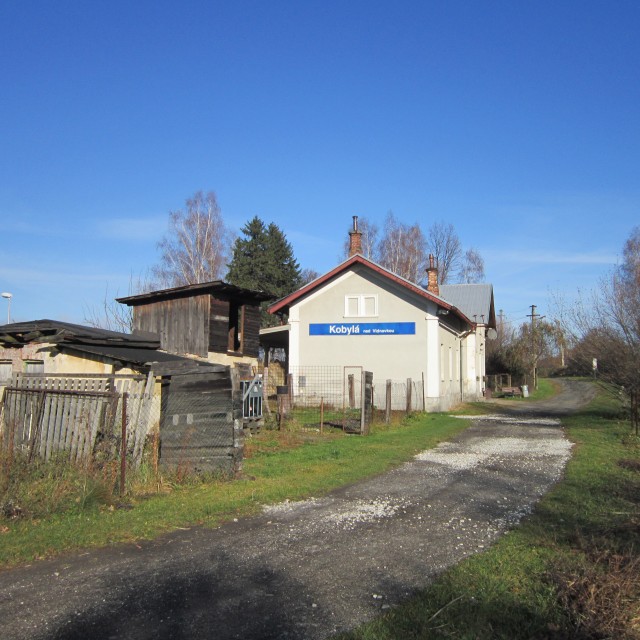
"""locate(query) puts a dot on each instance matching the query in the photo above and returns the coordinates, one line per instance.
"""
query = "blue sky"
(517, 122)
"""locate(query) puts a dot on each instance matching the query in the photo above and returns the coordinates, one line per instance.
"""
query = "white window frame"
(361, 299)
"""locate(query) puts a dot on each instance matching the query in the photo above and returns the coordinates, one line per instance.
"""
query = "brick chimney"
(355, 239)
(432, 276)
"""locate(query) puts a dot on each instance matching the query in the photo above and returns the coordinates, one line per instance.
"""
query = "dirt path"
(308, 569)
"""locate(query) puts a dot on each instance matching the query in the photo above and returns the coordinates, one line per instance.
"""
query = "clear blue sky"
(518, 122)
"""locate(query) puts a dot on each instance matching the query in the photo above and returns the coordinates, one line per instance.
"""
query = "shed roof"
(215, 287)
(137, 349)
(474, 300)
(54, 331)
(158, 361)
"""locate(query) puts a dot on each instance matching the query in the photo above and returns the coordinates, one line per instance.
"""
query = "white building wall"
(395, 357)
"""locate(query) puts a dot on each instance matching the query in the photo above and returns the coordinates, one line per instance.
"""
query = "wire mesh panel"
(199, 422)
(252, 396)
(326, 396)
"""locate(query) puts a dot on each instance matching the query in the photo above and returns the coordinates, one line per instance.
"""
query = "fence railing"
(81, 417)
(332, 396)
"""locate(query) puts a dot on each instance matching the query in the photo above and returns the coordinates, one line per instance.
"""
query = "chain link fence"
(332, 396)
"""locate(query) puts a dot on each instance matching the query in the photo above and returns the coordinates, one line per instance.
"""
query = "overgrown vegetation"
(571, 570)
(290, 464)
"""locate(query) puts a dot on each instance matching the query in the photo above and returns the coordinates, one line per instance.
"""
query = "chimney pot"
(432, 276)
(355, 239)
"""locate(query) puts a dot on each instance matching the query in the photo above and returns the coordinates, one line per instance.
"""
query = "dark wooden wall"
(181, 323)
(196, 325)
(248, 325)
(219, 325)
(251, 341)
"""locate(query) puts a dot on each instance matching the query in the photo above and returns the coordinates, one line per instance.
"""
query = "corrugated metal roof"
(474, 300)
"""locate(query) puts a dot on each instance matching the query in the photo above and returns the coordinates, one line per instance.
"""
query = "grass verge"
(280, 466)
(571, 570)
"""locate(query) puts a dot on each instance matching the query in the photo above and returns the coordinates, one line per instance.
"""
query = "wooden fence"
(44, 414)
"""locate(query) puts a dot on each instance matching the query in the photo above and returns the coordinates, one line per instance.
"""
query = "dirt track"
(308, 569)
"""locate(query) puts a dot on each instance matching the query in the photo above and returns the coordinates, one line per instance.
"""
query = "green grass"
(283, 465)
(571, 570)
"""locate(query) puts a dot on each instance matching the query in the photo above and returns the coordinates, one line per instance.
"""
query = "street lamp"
(8, 296)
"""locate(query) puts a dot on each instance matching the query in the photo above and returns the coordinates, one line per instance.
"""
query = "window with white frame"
(364, 305)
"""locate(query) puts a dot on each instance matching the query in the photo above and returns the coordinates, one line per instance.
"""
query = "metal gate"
(330, 396)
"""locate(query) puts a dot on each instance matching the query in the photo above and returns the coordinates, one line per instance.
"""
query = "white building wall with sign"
(359, 299)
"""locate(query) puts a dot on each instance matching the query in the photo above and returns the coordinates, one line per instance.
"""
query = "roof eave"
(282, 305)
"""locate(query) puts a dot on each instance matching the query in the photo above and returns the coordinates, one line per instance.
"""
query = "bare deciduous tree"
(443, 242)
(308, 275)
(605, 328)
(472, 270)
(196, 247)
(112, 315)
(402, 249)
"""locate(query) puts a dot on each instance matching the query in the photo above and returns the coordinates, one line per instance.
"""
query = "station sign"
(362, 329)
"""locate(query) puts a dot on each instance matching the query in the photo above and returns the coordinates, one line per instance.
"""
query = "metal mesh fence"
(329, 394)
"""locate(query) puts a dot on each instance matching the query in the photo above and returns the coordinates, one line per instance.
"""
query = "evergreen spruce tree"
(263, 259)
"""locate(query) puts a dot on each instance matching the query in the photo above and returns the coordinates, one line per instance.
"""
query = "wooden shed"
(213, 320)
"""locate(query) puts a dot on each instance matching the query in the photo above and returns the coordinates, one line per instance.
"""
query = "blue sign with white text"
(363, 329)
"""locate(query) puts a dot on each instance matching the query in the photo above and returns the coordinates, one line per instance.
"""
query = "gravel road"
(306, 569)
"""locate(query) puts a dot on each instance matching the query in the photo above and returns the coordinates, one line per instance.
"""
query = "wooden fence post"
(387, 409)
(352, 397)
(409, 390)
(123, 444)
(265, 390)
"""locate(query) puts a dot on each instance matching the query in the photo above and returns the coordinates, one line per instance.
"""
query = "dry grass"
(603, 595)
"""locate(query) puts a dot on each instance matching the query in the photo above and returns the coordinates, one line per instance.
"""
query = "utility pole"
(534, 359)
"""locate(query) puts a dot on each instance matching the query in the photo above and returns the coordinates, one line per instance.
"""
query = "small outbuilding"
(217, 321)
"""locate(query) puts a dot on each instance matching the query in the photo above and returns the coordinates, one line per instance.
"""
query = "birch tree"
(196, 247)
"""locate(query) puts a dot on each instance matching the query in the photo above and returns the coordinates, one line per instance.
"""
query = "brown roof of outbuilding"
(55, 331)
(215, 287)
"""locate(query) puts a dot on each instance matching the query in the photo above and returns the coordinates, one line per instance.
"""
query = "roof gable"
(474, 300)
(282, 305)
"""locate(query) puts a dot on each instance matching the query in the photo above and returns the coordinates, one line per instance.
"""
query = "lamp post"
(8, 296)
